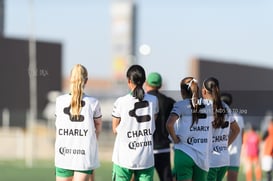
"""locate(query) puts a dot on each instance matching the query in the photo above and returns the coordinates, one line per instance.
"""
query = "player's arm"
(156, 115)
(98, 125)
(115, 123)
(234, 131)
(170, 127)
(242, 134)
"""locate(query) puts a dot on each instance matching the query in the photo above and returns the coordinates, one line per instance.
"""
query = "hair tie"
(189, 84)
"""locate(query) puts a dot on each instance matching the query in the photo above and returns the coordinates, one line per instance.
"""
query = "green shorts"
(123, 174)
(186, 169)
(233, 168)
(61, 172)
(217, 174)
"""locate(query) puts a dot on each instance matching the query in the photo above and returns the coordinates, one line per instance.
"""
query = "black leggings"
(163, 166)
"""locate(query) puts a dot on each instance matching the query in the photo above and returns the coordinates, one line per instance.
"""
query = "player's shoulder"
(150, 97)
(185, 101)
(124, 99)
(63, 99)
(90, 99)
(182, 103)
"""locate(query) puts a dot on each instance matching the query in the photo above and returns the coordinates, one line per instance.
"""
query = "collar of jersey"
(207, 101)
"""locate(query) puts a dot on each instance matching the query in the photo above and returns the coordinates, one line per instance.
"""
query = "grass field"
(44, 171)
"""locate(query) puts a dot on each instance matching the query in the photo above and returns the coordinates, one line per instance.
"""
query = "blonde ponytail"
(77, 82)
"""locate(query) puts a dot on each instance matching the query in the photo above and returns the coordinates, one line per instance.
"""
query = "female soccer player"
(134, 124)
(78, 122)
(236, 146)
(191, 131)
(225, 128)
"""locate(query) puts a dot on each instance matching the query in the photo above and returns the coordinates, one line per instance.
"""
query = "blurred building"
(250, 86)
(14, 75)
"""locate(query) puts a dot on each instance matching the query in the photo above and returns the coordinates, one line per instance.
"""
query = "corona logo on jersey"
(69, 151)
(193, 140)
(134, 144)
(219, 149)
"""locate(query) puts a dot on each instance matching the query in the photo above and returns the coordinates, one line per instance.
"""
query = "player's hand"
(176, 139)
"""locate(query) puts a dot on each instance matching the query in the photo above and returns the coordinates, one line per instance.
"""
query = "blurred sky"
(238, 31)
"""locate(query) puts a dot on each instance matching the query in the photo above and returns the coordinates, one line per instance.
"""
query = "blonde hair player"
(78, 123)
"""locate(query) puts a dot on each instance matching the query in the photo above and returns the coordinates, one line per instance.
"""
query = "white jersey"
(194, 139)
(235, 148)
(133, 147)
(219, 154)
(76, 145)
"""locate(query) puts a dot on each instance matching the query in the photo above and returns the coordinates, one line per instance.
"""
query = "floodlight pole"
(32, 72)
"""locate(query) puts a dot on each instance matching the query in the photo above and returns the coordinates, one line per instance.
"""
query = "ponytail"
(212, 85)
(218, 110)
(136, 74)
(138, 93)
(189, 89)
(77, 82)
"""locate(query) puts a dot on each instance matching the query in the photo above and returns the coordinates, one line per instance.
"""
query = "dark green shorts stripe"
(61, 172)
